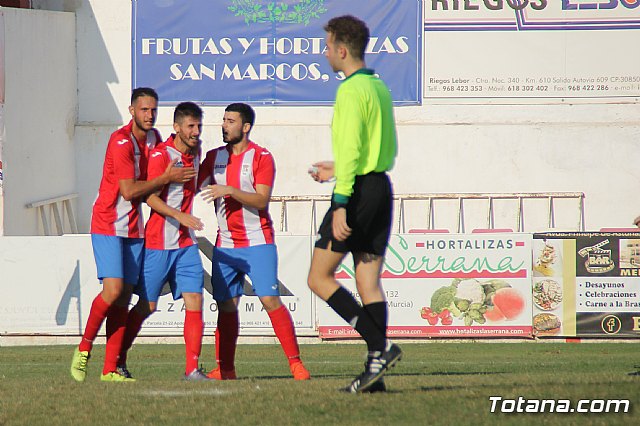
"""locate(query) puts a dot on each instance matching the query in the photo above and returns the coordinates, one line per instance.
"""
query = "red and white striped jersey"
(166, 233)
(238, 225)
(126, 158)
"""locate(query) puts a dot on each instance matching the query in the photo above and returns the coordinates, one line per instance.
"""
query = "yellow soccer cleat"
(79, 365)
(115, 377)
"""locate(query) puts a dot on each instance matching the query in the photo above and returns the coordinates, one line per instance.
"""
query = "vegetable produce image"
(433, 317)
(509, 302)
(494, 314)
(473, 301)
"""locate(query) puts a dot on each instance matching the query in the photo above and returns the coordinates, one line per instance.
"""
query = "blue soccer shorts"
(230, 265)
(118, 257)
(182, 268)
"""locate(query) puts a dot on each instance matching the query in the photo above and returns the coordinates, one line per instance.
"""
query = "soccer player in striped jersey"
(171, 249)
(359, 221)
(239, 178)
(117, 232)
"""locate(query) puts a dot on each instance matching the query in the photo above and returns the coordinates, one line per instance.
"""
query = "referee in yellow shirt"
(359, 220)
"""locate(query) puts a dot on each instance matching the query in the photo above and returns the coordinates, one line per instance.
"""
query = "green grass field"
(435, 384)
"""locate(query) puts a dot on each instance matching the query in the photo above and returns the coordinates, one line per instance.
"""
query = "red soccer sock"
(193, 330)
(286, 333)
(97, 314)
(134, 324)
(116, 323)
(226, 339)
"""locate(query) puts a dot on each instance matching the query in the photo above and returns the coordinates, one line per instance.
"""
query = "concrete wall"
(443, 147)
(39, 113)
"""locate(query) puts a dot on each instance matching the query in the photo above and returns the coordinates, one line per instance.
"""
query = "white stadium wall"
(39, 113)
(65, 97)
(444, 147)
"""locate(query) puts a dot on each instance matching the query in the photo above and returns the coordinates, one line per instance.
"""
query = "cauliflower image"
(470, 290)
(465, 299)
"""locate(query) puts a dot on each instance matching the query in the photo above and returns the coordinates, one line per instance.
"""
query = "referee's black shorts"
(369, 215)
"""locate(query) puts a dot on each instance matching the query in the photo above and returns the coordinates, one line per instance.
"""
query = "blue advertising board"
(261, 51)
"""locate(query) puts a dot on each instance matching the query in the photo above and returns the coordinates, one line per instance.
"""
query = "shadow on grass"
(446, 373)
(519, 385)
(463, 373)
(391, 374)
(440, 388)
(313, 376)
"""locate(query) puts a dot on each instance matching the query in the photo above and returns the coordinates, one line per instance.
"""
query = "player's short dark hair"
(186, 109)
(350, 31)
(247, 113)
(143, 91)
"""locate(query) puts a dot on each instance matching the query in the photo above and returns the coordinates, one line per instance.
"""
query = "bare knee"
(125, 296)
(322, 284)
(312, 282)
(192, 301)
(321, 279)
(229, 305)
(112, 289)
(145, 309)
(271, 303)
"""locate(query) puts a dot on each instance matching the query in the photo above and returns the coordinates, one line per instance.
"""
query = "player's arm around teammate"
(117, 228)
(145, 110)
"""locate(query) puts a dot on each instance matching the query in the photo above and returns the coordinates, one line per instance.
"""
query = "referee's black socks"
(346, 306)
(378, 313)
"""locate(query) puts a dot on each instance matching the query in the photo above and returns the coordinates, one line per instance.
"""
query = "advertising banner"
(549, 50)
(260, 51)
(577, 284)
(55, 298)
(449, 285)
(586, 284)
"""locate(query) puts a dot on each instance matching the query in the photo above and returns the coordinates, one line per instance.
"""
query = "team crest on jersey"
(245, 169)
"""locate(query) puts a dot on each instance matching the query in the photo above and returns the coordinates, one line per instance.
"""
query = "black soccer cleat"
(377, 365)
(391, 356)
(355, 386)
(363, 382)
(376, 387)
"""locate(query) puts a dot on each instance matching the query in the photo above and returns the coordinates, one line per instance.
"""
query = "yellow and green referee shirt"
(363, 131)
